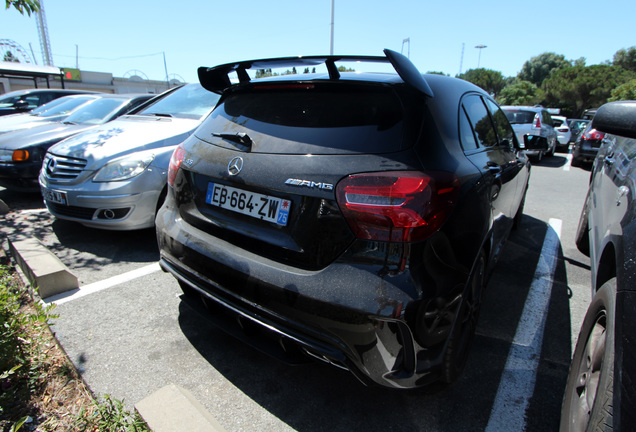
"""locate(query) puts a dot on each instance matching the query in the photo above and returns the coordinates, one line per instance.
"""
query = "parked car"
(563, 132)
(22, 151)
(345, 217)
(54, 111)
(577, 126)
(534, 121)
(586, 146)
(20, 101)
(114, 176)
(600, 385)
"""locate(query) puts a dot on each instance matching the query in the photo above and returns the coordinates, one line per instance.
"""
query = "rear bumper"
(344, 315)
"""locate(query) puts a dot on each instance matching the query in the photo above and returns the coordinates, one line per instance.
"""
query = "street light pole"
(480, 47)
(332, 8)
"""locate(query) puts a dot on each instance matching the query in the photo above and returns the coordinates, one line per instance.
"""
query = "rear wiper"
(69, 123)
(239, 138)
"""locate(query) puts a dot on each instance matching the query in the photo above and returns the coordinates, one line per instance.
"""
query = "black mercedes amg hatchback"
(344, 216)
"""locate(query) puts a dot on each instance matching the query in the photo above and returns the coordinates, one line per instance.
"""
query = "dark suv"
(600, 389)
(347, 217)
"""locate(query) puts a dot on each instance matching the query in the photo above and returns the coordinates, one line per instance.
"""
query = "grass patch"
(39, 386)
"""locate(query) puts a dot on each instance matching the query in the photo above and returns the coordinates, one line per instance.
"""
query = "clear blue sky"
(119, 36)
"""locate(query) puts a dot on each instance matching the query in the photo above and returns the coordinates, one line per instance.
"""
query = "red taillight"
(175, 163)
(401, 206)
(537, 122)
(593, 134)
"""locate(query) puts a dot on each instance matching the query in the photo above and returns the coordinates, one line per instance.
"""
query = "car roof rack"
(217, 79)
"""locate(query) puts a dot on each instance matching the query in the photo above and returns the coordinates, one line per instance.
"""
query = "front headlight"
(124, 168)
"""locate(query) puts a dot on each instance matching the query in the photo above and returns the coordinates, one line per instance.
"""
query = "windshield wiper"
(157, 114)
(239, 138)
(69, 123)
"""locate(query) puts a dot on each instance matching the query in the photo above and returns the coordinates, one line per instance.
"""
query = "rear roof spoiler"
(217, 79)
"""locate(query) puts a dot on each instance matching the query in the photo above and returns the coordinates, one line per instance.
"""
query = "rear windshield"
(308, 118)
(520, 117)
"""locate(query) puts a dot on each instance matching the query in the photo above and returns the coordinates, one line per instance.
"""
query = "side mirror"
(534, 142)
(21, 105)
(616, 118)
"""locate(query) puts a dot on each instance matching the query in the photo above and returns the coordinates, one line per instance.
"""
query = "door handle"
(493, 167)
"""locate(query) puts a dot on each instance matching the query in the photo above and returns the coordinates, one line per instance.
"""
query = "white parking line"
(102, 285)
(40, 210)
(519, 376)
(568, 164)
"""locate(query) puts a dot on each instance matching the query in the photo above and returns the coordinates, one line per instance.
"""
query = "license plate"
(54, 196)
(256, 205)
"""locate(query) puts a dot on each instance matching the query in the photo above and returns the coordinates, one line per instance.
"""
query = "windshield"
(61, 106)
(48, 106)
(9, 101)
(190, 101)
(97, 112)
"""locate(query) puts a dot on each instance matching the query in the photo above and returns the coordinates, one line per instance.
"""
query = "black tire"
(465, 323)
(588, 399)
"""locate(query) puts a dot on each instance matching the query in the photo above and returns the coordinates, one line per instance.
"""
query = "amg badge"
(309, 184)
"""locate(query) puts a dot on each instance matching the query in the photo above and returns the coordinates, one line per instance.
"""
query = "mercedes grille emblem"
(50, 166)
(235, 166)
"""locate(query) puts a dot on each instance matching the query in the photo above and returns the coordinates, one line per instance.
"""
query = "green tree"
(538, 68)
(625, 91)
(577, 88)
(9, 57)
(626, 58)
(489, 80)
(23, 6)
(520, 93)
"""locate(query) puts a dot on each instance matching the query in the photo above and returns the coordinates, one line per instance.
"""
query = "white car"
(536, 122)
(114, 176)
(562, 130)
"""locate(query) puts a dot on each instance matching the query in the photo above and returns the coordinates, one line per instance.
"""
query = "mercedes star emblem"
(235, 166)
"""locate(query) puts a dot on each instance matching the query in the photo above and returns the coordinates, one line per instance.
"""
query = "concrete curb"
(174, 409)
(44, 270)
(170, 409)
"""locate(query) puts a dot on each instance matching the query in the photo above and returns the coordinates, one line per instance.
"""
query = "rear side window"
(480, 120)
(310, 118)
(546, 118)
(504, 130)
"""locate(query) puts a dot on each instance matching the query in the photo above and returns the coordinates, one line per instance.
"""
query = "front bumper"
(122, 205)
(21, 177)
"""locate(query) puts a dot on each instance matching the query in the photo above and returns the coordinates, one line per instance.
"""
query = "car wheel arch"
(606, 267)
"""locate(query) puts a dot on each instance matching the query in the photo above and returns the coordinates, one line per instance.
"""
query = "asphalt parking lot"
(129, 334)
